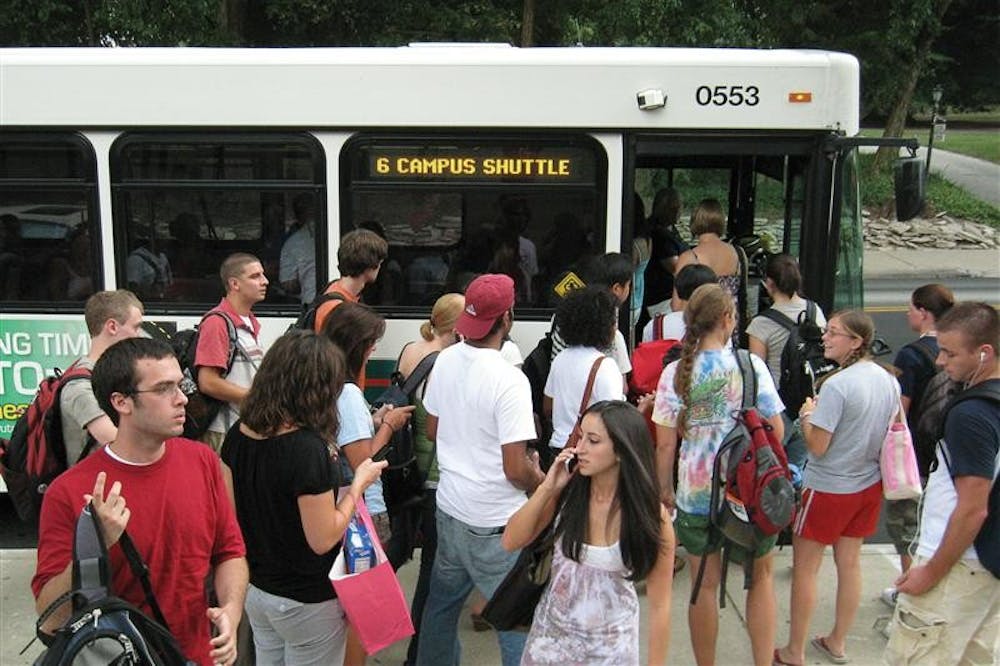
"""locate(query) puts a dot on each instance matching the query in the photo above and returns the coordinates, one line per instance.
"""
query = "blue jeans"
(466, 556)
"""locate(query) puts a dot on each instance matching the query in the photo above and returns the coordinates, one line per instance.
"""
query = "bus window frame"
(318, 186)
(87, 184)
(349, 187)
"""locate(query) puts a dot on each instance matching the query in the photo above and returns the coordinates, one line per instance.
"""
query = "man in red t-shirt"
(246, 285)
(178, 513)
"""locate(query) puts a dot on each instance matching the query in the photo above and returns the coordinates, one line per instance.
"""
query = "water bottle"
(360, 554)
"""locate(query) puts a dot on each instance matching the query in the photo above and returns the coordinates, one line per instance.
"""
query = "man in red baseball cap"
(479, 415)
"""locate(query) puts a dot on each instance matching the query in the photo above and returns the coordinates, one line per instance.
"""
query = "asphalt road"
(886, 301)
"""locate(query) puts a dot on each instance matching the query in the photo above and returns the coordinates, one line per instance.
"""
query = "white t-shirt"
(567, 379)
(481, 402)
(298, 262)
(673, 327)
(511, 353)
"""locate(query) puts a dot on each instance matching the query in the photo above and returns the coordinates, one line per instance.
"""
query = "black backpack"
(536, 367)
(102, 627)
(988, 535)
(801, 358)
(927, 410)
(35, 454)
(201, 409)
(307, 320)
(402, 481)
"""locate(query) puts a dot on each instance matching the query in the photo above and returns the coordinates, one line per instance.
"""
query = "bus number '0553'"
(727, 95)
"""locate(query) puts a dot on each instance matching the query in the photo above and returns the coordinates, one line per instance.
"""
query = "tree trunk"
(897, 117)
(528, 24)
(232, 21)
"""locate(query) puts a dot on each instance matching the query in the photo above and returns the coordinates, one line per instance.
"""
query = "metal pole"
(930, 139)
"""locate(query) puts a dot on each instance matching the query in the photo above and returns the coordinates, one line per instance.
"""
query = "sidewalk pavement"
(879, 566)
(880, 263)
(980, 178)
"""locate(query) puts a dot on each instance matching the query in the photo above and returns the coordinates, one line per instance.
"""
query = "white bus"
(144, 168)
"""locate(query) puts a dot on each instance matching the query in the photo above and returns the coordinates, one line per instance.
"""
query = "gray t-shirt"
(775, 335)
(856, 405)
(77, 408)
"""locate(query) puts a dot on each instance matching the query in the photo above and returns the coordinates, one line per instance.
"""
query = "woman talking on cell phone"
(278, 470)
(611, 531)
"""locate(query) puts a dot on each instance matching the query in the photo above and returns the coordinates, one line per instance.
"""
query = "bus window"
(183, 203)
(454, 207)
(49, 243)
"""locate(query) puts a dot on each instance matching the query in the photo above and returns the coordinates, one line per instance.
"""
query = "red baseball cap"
(486, 299)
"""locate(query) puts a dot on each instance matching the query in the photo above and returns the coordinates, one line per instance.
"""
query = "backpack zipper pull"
(96, 614)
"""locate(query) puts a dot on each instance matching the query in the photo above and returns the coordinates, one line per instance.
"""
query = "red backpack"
(647, 361)
(752, 493)
(35, 454)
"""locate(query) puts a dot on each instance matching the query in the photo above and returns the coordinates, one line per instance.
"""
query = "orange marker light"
(800, 97)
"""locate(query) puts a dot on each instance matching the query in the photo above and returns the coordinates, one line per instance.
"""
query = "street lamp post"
(936, 93)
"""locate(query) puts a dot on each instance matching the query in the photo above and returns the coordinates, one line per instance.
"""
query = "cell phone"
(382, 453)
(571, 464)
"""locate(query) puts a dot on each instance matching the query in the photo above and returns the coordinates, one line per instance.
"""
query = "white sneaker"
(888, 597)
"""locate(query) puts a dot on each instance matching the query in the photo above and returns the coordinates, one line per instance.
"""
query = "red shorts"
(825, 517)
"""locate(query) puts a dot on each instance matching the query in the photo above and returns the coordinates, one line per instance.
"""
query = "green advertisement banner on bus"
(30, 350)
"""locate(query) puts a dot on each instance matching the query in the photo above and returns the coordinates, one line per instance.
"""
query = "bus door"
(784, 192)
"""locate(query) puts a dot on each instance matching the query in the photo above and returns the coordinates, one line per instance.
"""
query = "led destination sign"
(535, 165)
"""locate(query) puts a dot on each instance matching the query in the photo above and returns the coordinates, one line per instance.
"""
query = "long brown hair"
(706, 309)
(297, 384)
(355, 328)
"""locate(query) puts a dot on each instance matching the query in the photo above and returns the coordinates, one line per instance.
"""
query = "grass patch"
(941, 195)
(984, 143)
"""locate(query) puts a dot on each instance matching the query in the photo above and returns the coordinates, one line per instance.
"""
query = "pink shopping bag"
(372, 600)
(900, 476)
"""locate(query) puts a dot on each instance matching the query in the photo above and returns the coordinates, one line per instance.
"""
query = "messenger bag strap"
(141, 571)
(590, 386)
(419, 373)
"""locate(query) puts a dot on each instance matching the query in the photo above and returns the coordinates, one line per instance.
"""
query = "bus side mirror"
(908, 175)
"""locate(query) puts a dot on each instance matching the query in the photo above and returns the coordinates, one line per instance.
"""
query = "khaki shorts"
(699, 538)
(956, 622)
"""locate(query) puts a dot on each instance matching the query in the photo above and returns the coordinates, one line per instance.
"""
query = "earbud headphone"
(982, 356)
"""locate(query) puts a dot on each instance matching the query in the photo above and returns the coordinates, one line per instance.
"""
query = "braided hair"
(708, 305)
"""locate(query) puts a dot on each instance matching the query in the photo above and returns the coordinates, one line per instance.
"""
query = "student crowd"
(239, 552)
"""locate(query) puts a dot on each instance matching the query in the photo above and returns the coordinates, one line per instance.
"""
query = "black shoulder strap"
(810, 312)
(779, 318)
(141, 571)
(419, 373)
(749, 398)
(989, 390)
(234, 341)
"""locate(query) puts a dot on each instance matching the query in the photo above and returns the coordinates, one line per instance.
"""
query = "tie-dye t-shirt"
(716, 390)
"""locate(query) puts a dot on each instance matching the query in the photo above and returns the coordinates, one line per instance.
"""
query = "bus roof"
(428, 86)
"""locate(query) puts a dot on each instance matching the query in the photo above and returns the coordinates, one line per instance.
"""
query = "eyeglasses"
(164, 390)
(835, 332)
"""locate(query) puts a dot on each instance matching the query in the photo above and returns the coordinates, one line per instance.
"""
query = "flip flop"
(778, 661)
(820, 644)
